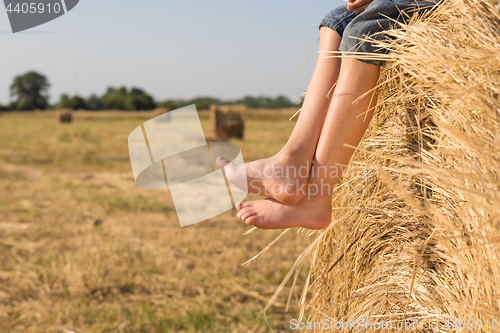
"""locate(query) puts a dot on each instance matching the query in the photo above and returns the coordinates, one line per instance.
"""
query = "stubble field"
(83, 249)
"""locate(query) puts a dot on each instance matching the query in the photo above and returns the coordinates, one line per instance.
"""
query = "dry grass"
(83, 249)
(416, 220)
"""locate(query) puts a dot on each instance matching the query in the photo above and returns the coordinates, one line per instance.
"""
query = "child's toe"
(251, 220)
(221, 162)
(247, 204)
(242, 213)
(248, 213)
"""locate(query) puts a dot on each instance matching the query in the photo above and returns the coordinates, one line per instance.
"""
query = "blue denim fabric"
(379, 16)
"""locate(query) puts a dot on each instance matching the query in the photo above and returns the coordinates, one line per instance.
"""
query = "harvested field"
(83, 249)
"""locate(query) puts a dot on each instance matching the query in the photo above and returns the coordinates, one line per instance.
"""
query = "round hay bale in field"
(416, 220)
(65, 116)
(228, 121)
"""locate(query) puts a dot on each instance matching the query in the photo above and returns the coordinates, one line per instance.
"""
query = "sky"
(171, 49)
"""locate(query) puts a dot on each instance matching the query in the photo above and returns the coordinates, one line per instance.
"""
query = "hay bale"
(416, 223)
(65, 116)
(228, 121)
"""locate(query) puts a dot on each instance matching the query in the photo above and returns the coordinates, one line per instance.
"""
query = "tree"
(281, 102)
(73, 103)
(202, 103)
(140, 100)
(252, 102)
(114, 99)
(168, 104)
(31, 91)
(122, 99)
(94, 103)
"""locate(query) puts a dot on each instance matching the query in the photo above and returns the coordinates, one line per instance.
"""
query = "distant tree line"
(249, 101)
(30, 92)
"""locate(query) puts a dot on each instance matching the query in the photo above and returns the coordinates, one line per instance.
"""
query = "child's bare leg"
(345, 123)
(279, 176)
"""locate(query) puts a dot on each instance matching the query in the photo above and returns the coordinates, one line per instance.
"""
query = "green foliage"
(115, 98)
(123, 99)
(94, 103)
(265, 102)
(12, 106)
(168, 104)
(73, 103)
(250, 102)
(202, 103)
(282, 102)
(140, 100)
(31, 91)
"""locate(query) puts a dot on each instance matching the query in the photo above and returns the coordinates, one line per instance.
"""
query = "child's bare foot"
(280, 178)
(312, 213)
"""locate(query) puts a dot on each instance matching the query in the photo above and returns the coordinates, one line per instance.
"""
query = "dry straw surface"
(416, 219)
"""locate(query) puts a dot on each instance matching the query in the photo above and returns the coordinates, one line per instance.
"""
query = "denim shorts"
(379, 16)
